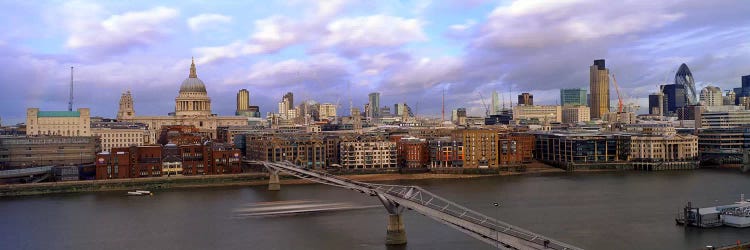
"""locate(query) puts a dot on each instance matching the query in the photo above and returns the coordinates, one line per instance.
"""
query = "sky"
(338, 51)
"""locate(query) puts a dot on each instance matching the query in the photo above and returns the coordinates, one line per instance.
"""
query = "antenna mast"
(70, 100)
(443, 119)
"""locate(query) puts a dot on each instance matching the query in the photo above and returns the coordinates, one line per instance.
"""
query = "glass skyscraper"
(576, 96)
(685, 78)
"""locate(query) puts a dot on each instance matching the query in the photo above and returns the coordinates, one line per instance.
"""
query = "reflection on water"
(633, 210)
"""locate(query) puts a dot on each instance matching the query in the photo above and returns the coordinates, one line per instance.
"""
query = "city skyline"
(317, 50)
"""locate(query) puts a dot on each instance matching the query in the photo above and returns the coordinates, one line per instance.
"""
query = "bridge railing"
(435, 202)
(427, 199)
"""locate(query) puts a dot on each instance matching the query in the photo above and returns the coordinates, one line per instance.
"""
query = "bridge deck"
(482, 227)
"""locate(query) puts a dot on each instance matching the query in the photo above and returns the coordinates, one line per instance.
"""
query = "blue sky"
(337, 51)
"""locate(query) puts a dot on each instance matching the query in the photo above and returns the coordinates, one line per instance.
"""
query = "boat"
(139, 193)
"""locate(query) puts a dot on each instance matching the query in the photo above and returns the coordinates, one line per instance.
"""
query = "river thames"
(608, 210)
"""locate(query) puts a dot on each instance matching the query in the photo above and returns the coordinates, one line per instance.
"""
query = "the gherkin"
(685, 78)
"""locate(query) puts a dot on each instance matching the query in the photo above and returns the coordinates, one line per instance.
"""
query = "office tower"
(685, 78)
(730, 98)
(289, 98)
(525, 99)
(374, 104)
(656, 104)
(243, 101)
(573, 97)
(495, 103)
(674, 98)
(599, 86)
(711, 96)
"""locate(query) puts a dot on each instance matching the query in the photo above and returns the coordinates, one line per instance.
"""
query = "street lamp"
(497, 233)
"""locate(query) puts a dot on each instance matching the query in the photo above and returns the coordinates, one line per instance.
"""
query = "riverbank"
(248, 179)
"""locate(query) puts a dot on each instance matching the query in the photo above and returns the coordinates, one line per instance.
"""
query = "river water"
(625, 210)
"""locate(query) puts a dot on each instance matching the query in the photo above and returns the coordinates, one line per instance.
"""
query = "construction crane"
(484, 105)
(619, 98)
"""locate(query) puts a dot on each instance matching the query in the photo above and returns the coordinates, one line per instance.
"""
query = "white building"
(63, 123)
(721, 116)
(575, 114)
(120, 134)
(327, 111)
(711, 96)
(537, 114)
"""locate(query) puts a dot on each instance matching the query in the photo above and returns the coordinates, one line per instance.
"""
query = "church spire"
(192, 69)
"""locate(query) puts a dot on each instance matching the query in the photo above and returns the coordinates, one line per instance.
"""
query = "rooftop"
(58, 114)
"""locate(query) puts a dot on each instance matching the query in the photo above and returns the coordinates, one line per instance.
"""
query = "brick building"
(413, 153)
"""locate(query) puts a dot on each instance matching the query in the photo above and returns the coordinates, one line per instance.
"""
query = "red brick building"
(515, 148)
(149, 161)
(413, 153)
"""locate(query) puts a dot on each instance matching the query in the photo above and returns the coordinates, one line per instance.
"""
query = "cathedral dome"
(193, 83)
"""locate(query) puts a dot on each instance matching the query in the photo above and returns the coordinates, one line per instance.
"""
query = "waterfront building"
(413, 153)
(719, 144)
(721, 116)
(662, 148)
(158, 160)
(120, 134)
(529, 114)
(62, 123)
(656, 104)
(301, 149)
(599, 86)
(480, 147)
(515, 148)
(446, 153)
(525, 99)
(374, 108)
(711, 96)
(684, 78)
(573, 97)
(368, 154)
(575, 114)
(22, 152)
(192, 108)
(569, 150)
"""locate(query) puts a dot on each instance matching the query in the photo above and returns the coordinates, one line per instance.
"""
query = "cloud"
(207, 21)
(537, 23)
(119, 32)
(373, 31)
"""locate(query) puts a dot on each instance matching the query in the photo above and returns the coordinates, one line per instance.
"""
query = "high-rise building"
(730, 98)
(656, 104)
(685, 78)
(289, 98)
(525, 99)
(327, 111)
(711, 96)
(674, 98)
(573, 97)
(599, 86)
(495, 103)
(374, 104)
(126, 110)
(243, 101)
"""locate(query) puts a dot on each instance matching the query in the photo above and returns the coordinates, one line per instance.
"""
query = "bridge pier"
(273, 180)
(395, 233)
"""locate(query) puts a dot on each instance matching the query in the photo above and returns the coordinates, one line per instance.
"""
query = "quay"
(733, 215)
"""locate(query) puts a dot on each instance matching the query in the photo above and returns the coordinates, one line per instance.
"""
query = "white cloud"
(207, 21)
(117, 32)
(537, 23)
(373, 31)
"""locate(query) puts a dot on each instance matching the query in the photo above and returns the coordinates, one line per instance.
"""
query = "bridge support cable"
(396, 198)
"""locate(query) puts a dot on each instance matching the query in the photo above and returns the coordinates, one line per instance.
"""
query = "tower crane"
(484, 105)
(617, 89)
